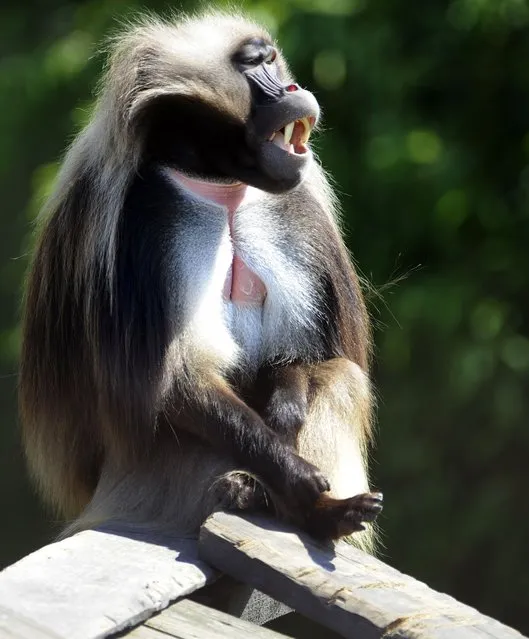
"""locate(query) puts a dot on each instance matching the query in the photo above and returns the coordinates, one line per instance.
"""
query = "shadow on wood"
(98, 583)
(338, 586)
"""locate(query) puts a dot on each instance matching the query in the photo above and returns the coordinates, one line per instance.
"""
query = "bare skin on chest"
(242, 285)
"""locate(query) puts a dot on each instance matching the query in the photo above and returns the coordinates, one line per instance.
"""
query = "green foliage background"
(427, 134)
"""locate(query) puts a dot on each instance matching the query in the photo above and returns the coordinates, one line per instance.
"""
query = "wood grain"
(340, 587)
(190, 620)
(96, 583)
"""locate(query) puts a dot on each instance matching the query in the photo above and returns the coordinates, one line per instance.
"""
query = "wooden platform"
(113, 583)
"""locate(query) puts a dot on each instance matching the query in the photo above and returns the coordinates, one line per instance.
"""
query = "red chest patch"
(242, 285)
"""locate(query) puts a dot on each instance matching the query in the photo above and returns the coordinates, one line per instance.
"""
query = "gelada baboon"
(195, 336)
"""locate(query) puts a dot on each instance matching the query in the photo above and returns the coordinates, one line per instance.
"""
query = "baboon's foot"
(335, 518)
(238, 490)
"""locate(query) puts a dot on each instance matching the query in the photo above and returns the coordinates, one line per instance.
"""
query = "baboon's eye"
(272, 55)
(255, 52)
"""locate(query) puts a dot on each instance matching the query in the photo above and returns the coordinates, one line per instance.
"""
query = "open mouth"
(293, 137)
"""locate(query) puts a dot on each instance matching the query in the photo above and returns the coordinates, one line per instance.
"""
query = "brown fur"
(112, 415)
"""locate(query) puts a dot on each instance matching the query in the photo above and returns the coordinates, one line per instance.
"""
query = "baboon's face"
(235, 113)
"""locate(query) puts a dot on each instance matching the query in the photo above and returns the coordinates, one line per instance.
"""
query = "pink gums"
(242, 286)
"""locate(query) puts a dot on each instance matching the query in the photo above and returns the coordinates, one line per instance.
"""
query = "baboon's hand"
(303, 482)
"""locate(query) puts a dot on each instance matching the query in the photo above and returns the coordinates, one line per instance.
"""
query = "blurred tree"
(427, 135)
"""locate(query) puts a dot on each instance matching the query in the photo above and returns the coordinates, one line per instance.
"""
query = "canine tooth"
(289, 129)
(306, 130)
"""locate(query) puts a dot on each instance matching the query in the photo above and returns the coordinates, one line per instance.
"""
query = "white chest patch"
(235, 332)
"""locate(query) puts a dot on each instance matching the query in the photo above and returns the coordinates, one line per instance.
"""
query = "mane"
(147, 58)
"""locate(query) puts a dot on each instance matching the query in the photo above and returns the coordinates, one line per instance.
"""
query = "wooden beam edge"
(342, 588)
(97, 583)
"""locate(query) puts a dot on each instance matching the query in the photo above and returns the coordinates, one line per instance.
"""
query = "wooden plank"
(95, 584)
(342, 588)
(143, 632)
(190, 620)
(13, 626)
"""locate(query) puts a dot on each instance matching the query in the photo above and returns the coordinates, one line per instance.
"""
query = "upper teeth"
(289, 130)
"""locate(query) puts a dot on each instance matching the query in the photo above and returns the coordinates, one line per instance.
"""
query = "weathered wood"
(343, 588)
(14, 626)
(144, 632)
(190, 620)
(96, 583)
